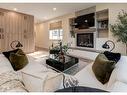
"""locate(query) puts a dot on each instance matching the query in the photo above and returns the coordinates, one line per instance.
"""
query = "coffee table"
(55, 64)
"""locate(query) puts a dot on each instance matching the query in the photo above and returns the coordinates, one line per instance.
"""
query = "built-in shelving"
(72, 27)
(102, 23)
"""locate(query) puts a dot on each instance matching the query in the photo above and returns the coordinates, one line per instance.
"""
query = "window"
(56, 34)
(56, 31)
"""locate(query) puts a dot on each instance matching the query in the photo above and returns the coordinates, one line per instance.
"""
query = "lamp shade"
(15, 44)
(106, 45)
(19, 45)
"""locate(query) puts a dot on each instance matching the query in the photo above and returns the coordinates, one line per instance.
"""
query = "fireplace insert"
(85, 40)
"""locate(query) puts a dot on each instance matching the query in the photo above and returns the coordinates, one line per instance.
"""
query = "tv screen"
(85, 21)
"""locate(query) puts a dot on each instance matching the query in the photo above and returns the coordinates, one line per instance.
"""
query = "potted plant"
(119, 29)
(54, 50)
(59, 51)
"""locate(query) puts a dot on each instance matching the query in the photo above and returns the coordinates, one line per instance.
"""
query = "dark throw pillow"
(102, 68)
(18, 60)
(7, 53)
(112, 56)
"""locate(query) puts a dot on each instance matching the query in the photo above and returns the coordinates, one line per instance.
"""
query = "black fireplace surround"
(85, 40)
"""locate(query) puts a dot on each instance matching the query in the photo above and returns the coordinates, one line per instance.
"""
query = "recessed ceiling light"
(54, 9)
(15, 9)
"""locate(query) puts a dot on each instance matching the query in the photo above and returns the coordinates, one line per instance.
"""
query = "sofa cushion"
(33, 83)
(87, 78)
(119, 73)
(4, 64)
(7, 53)
(69, 81)
(102, 68)
(112, 56)
(53, 82)
(34, 66)
(18, 60)
(42, 81)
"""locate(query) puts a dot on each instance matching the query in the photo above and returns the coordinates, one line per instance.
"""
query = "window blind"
(56, 25)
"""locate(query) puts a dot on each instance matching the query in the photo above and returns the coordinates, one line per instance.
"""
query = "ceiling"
(44, 11)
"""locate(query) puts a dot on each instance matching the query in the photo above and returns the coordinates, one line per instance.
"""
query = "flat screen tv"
(85, 21)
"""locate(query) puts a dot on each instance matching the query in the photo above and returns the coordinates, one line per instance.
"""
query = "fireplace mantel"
(84, 49)
(85, 30)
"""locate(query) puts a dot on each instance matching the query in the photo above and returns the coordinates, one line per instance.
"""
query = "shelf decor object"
(106, 45)
(18, 45)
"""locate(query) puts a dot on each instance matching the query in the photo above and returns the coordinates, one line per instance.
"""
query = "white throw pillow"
(87, 78)
(42, 81)
(69, 81)
(119, 73)
(33, 83)
(53, 82)
(5, 64)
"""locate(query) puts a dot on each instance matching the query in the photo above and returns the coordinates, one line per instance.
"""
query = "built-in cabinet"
(16, 26)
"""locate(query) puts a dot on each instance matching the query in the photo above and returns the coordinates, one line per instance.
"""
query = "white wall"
(42, 33)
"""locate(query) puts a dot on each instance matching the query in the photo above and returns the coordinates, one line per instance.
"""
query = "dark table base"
(80, 89)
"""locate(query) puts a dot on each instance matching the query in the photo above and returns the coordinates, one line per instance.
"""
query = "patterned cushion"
(69, 81)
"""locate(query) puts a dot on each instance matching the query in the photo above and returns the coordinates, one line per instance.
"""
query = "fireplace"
(85, 40)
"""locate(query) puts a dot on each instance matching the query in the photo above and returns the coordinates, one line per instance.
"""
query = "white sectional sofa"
(48, 80)
(86, 77)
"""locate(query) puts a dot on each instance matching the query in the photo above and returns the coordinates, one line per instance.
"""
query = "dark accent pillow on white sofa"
(7, 53)
(112, 56)
(102, 68)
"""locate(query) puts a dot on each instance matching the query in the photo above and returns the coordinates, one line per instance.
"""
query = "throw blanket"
(10, 81)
